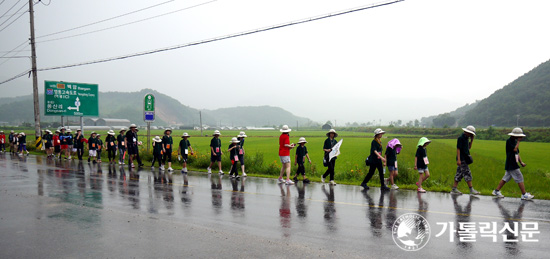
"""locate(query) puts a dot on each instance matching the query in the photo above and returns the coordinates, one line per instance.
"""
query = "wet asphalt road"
(60, 209)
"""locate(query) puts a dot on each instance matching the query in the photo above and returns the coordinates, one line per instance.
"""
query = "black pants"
(330, 169)
(373, 167)
(138, 159)
(157, 157)
(80, 152)
(301, 169)
(167, 156)
(111, 154)
(234, 169)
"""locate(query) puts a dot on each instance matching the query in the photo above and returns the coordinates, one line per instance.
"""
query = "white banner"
(335, 150)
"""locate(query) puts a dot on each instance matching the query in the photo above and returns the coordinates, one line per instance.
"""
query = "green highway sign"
(149, 108)
(70, 99)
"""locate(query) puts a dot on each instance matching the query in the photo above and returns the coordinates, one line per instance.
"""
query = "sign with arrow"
(70, 99)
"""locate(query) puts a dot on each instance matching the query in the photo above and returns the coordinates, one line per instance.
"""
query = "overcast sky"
(402, 61)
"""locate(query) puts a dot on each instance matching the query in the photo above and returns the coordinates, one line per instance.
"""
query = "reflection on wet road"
(72, 209)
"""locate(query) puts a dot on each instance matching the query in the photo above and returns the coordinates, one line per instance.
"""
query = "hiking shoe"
(237, 177)
(421, 190)
(474, 192)
(281, 180)
(527, 196)
(133, 165)
(322, 179)
(498, 194)
(221, 173)
(394, 187)
(152, 167)
(161, 168)
(170, 169)
(244, 174)
(456, 191)
(209, 170)
(384, 188)
(289, 182)
(232, 176)
(306, 180)
(295, 178)
(332, 183)
(364, 185)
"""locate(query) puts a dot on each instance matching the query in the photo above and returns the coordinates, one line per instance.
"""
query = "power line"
(14, 14)
(129, 23)
(10, 8)
(13, 21)
(14, 50)
(108, 19)
(306, 20)
(16, 76)
(8, 52)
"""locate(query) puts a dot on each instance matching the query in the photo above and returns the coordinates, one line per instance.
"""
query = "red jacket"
(55, 140)
(2, 138)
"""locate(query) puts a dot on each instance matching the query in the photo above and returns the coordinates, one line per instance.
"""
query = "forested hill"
(169, 111)
(528, 96)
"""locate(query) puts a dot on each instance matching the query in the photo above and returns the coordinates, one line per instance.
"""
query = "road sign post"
(149, 114)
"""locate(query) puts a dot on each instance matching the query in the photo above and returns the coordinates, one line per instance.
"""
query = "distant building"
(112, 122)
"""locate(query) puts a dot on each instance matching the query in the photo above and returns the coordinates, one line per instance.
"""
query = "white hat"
(185, 135)
(234, 140)
(1, 131)
(133, 126)
(69, 131)
(285, 129)
(97, 135)
(242, 135)
(302, 140)
(57, 131)
(216, 132)
(22, 133)
(111, 132)
(122, 129)
(157, 139)
(470, 129)
(48, 131)
(12, 131)
(93, 132)
(332, 131)
(378, 131)
(168, 129)
(517, 132)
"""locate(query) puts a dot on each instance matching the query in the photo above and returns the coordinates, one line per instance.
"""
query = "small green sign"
(70, 99)
(149, 108)
(149, 103)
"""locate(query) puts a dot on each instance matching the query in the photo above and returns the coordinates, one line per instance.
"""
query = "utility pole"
(34, 76)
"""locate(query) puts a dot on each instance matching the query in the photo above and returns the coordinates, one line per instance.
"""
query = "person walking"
(110, 142)
(241, 138)
(132, 144)
(421, 163)
(79, 141)
(63, 138)
(463, 159)
(56, 143)
(70, 143)
(121, 146)
(2, 142)
(100, 147)
(48, 145)
(183, 151)
(11, 139)
(376, 160)
(301, 154)
(512, 167)
(233, 150)
(215, 152)
(331, 163)
(284, 154)
(392, 149)
(157, 152)
(167, 143)
(92, 147)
